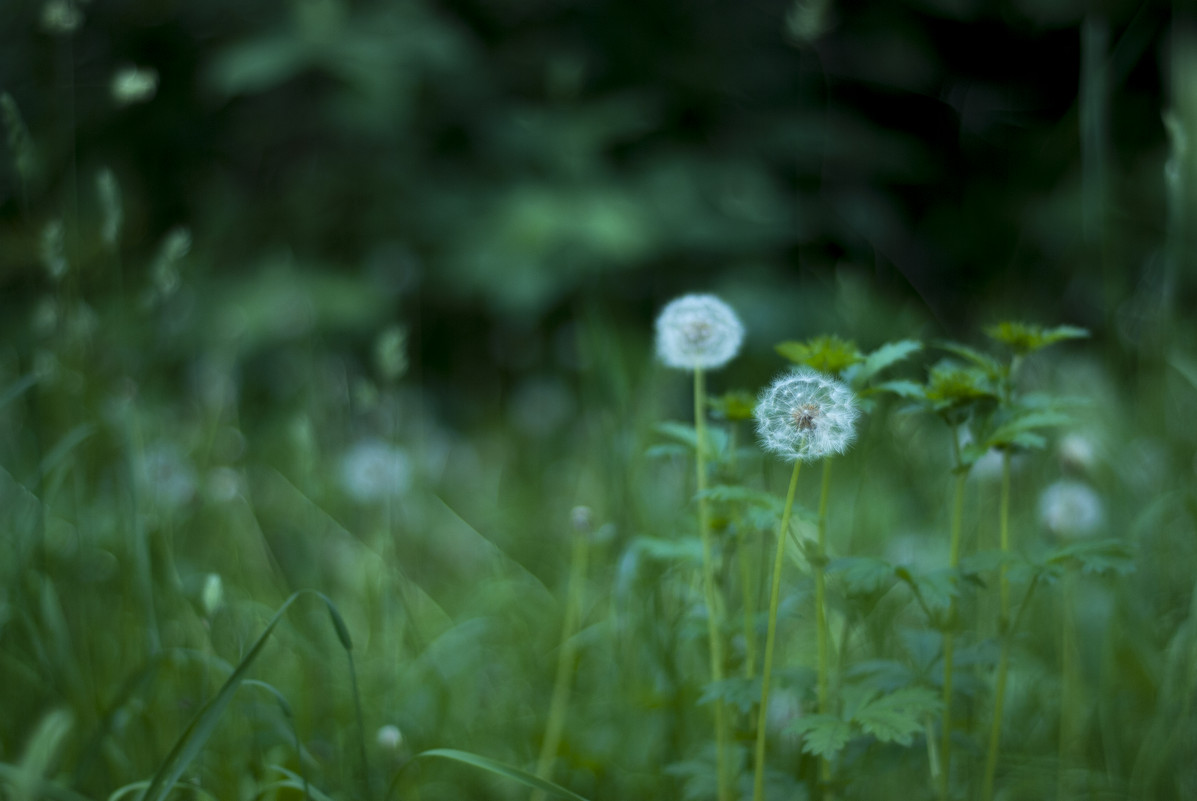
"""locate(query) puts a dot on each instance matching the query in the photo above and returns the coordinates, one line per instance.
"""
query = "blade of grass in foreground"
(492, 766)
(192, 741)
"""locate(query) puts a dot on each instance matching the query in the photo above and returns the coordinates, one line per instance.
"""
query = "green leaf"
(1099, 557)
(735, 493)
(953, 386)
(903, 389)
(897, 716)
(935, 590)
(827, 354)
(884, 357)
(822, 735)
(1024, 338)
(686, 549)
(732, 406)
(989, 365)
(1021, 430)
(864, 575)
(193, 738)
(499, 769)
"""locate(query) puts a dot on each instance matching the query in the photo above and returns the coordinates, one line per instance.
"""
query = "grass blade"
(500, 769)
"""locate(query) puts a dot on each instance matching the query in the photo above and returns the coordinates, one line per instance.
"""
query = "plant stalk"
(758, 780)
(708, 585)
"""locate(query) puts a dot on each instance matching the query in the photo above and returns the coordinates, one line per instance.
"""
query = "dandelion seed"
(698, 331)
(806, 415)
(1071, 509)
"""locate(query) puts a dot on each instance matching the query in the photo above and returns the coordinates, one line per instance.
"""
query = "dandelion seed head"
(373, 470)
(805, 415)
(389, 737)
(1071, 509)
(698, 331)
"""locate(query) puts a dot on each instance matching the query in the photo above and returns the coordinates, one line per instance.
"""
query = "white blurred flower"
(373, 469)
(1071, 509)
(223, 484)
(389, 737)
(1077, 452)
(212, 596)
(167, 475)
(806, 415)
(698, 331)
(989, 466)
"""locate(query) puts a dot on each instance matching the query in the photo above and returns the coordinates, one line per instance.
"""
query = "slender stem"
(746, 592)
(1069, 685)
(949, 638)
(758, 781)
(1004, 626)
(566, 656)
(821, 613)
(708, 586)
(1004, 517)
(995, 731)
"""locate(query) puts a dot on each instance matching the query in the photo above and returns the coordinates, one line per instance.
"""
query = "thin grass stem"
(821, 613)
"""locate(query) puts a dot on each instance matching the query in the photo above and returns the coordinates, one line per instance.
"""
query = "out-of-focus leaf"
(827, 354)
(1024, 338)
(822, 735)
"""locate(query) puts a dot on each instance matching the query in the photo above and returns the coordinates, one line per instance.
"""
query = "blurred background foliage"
(376, 314)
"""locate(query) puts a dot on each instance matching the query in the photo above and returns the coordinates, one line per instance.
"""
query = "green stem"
(746, 588)
(566, 656)
(1004, 516)
(999, 696)
(821, 613)
(708, 586)
(1069, 686)
(949, 638)
(758, 781)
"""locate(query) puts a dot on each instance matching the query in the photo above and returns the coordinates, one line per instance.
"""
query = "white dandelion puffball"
(806, 415)
(1071, 509)
(698, 331)
(373, 470)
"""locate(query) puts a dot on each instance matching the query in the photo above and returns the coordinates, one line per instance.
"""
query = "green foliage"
(1024, 338)
(827, 354)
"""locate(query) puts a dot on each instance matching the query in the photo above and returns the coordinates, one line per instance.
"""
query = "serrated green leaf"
(1098, 557)
(952, 386)
(882, 358)
(989, 365)
(822, 735)
(1026, 422)
(1024, 338)
(864, 575)
(897, 716)
(827, 354)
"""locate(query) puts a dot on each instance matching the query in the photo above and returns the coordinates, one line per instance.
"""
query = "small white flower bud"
(212, 597)
(1071, 509)
(389, 737)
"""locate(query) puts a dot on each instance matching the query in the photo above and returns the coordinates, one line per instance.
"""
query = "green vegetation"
(336, 463)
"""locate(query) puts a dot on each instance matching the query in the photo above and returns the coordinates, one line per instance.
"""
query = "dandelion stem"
(758, 781)
(949, 640)
(708, 584)
(821, 612)
(746, 591)
(566, 655)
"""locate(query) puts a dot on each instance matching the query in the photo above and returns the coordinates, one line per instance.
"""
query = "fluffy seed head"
(1071, 509)
(806, 415)
(698, 331)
